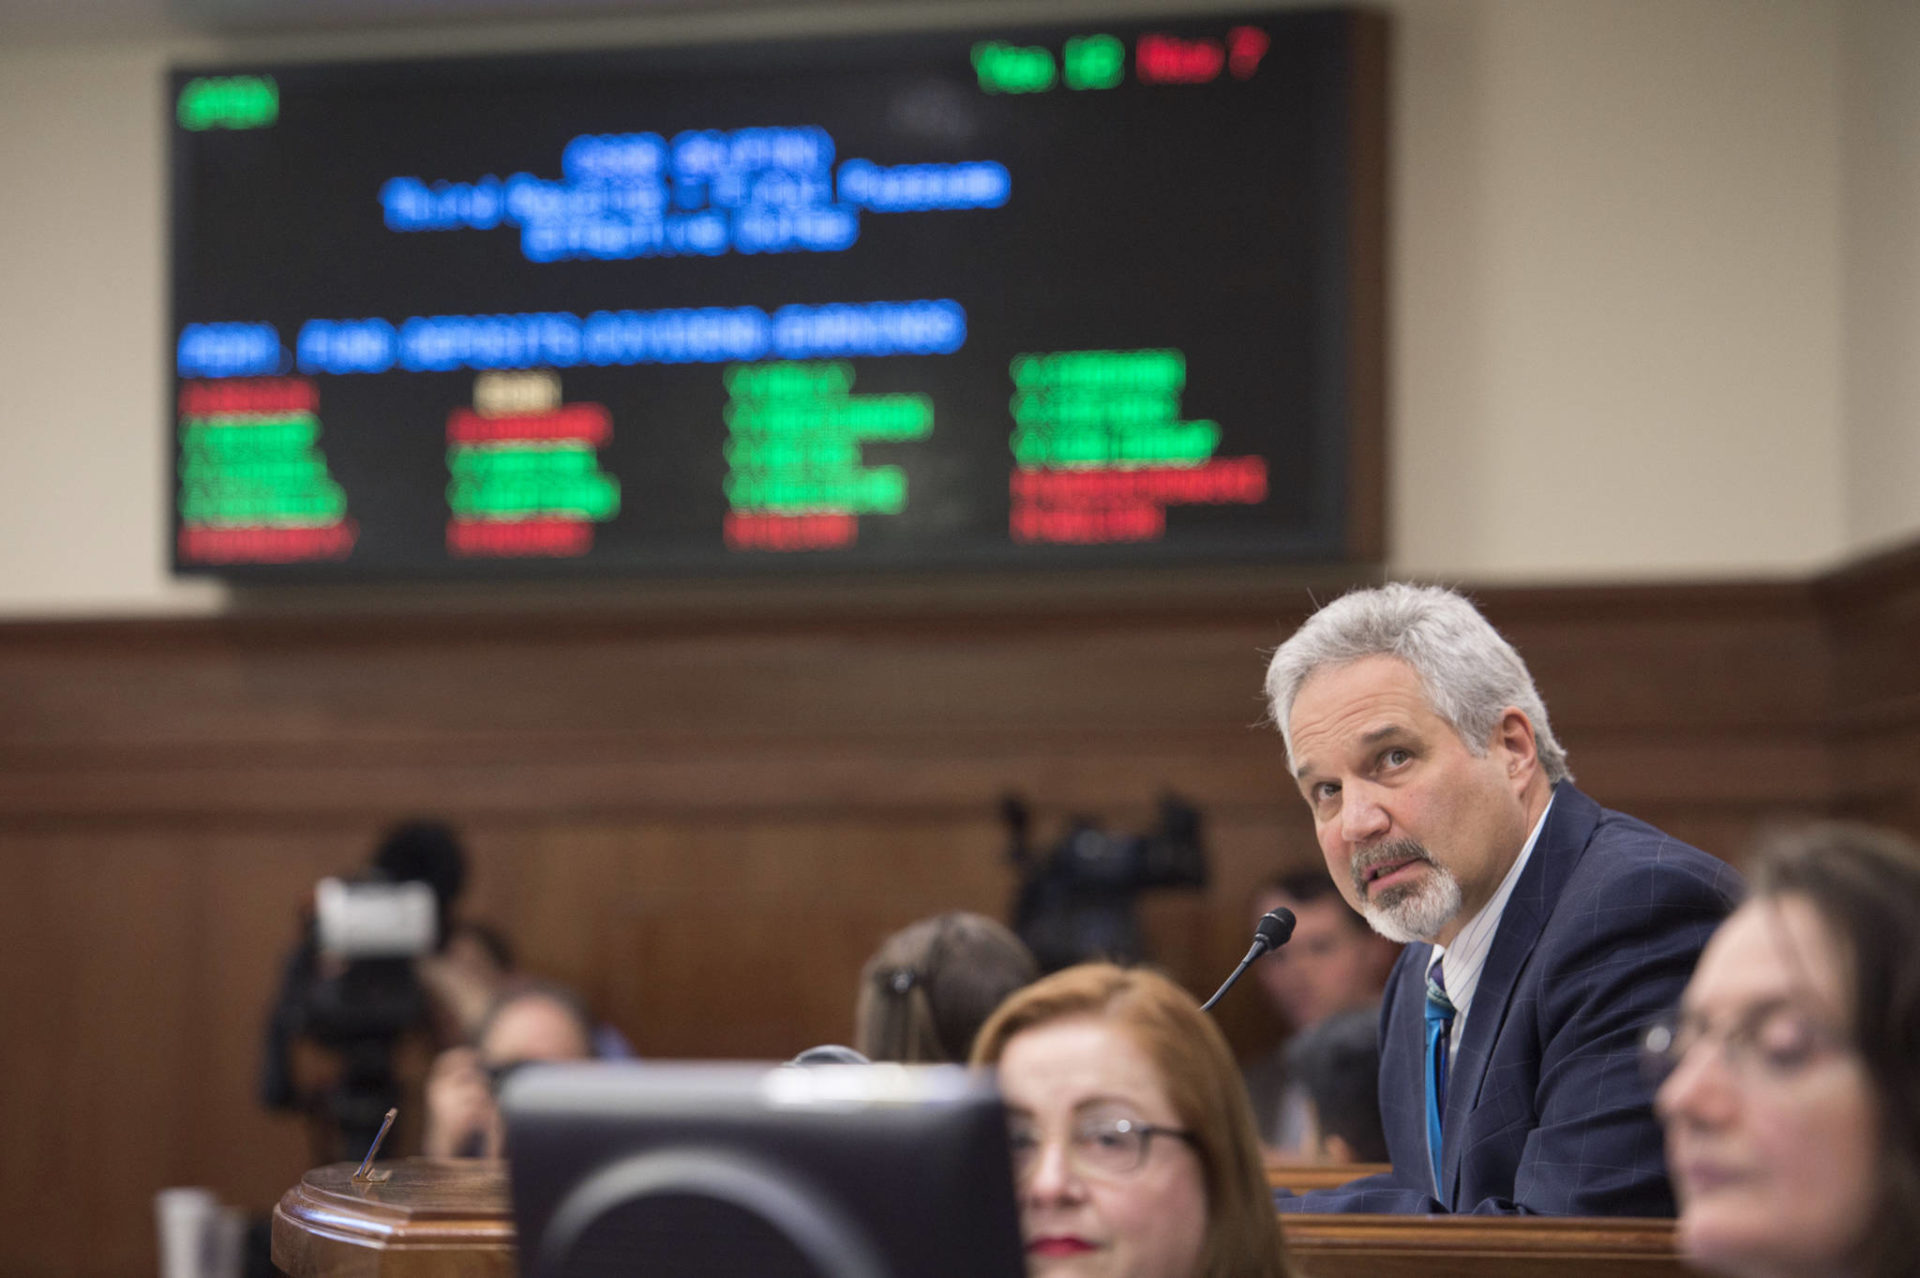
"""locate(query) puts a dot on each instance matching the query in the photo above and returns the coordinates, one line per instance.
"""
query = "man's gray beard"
(1415, 912)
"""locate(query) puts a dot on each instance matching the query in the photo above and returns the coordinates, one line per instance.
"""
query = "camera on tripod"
(349, 986)
(1077, 903)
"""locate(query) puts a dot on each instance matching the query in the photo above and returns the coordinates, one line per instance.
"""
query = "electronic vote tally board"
(997, 298)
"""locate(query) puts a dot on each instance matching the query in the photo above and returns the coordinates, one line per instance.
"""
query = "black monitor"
(838, 1171)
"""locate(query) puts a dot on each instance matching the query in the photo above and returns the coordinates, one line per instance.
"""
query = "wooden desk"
(1353, 1246)
(452, 1219)
(1301, 1178)
(432, 1219)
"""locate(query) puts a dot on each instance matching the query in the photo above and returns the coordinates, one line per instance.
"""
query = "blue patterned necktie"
(1439, 1031)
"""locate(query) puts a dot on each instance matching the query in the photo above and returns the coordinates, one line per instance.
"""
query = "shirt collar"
(1468, 953)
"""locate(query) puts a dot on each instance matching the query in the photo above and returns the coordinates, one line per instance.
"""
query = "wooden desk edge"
(1302, 1178)
(320, 1233)
(318, 1228)
(1512, 1237)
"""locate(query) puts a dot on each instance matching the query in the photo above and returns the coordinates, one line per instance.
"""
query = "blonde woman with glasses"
(1133, 1141)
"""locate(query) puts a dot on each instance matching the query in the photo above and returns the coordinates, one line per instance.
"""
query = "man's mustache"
(1364, 861)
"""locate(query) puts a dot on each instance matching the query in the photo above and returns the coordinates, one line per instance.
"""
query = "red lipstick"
(1059, 1245)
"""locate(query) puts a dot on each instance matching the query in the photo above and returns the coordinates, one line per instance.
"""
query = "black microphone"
(1275, 929)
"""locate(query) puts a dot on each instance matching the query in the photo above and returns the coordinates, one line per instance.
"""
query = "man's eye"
(1397, 756)
(1325, 792)
(1022, 1141)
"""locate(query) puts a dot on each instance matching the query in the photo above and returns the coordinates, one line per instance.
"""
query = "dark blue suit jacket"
(1548, 1110)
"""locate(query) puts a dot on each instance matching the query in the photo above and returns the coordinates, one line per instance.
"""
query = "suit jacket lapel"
(1403, 1074)
(1569, 825)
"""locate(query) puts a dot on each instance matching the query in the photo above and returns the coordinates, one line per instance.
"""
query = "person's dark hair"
(1304, 886)
(1308, 887)
(1338, 1063)
(427, 852)
(926, 991)
(1865, 885)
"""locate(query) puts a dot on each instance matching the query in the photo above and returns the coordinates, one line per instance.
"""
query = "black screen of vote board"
(991, 299)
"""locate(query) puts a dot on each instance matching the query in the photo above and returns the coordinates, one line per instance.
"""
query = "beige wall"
(83, 435)
(1617, 300)
(1650, 317)
(1880, 320)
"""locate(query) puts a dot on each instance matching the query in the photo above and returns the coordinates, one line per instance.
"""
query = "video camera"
(349, 986)
(1076, 903)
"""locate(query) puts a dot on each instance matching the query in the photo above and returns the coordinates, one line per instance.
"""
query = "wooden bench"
(1355, 1246)
(1361, 1246)
(1301, 1178)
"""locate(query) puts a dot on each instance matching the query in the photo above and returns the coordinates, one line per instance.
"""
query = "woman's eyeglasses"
(1771, 1042)
(1095, 1146)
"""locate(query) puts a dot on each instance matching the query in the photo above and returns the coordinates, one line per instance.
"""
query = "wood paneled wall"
(1872, 616)
(706, 821)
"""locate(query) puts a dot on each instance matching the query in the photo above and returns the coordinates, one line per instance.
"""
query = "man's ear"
(1513, 743)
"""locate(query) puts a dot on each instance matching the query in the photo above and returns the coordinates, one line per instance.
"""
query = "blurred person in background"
(532, 1023)
(1791, 1097)
(473, 967)
(351, 1015)
(926, 991)
(1133, 1144)
(1334, 964)
(1336, 1064)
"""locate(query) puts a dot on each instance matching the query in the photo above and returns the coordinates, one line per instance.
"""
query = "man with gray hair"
(1544, 932)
